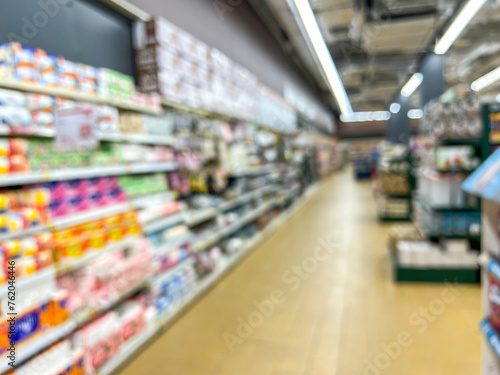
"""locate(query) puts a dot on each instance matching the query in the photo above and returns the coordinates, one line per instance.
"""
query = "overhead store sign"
(309, 109)
(76, 129)
(274, 112)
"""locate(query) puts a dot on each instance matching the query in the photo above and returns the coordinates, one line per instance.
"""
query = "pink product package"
(117, 196)
(101, 183)
(494, 301)
(101, 339)
(77, 188)
(59, 208)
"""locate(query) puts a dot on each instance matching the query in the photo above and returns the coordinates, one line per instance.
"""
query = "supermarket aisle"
(340, 317)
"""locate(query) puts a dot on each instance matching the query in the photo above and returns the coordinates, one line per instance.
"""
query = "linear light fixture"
(415, 114)
(458, 25)
(366, 116)
(309, 26)
(486, 80)
(412, 84)
(395, 108)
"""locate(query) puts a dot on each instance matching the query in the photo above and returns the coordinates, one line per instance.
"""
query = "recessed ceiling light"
(395, 108)
(486, 80)
(366, 116)
(458, 25)
(412, 84)
(415, 114)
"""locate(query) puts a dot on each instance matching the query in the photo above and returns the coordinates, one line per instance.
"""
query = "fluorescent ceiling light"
(311, 29)
(395, 108)
(412, 84)
(415, 114)
(486, 80)
(366, 116)
(498, 98)
(458, 25)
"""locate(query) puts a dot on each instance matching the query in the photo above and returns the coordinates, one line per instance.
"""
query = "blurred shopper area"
(213, 187)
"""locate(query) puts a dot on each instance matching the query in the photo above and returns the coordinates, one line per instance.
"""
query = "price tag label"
(76, 129)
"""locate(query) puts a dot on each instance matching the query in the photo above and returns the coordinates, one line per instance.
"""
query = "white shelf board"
(152, 139)
(162, 223)
(76, 95)
(15, 179)
(85, 315)
(161, 278)
(28, 281)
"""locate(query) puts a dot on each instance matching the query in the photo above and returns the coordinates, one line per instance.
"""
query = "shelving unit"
(484, 183)
(457, 219)
(76, 95)
(395, 183)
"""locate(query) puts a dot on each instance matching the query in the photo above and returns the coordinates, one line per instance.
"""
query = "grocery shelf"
(169, 244)
(70, 265)
(252, 171)
(29, 131)
(245, 198)
(211, 240)
(193, 219)
(197, 217)
(129, 348)
(159, 279)
(26, 350)
(152, 139)
(16, 179)
(153, 199)
(254, 214)
(491, 336)
(76, 95)
(162, 223)
(29, 281)
(90, 215)
(86, 315)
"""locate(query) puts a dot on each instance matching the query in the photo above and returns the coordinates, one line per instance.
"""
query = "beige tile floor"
(341, 316)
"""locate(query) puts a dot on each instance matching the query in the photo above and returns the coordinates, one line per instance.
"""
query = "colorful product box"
(48, 68)
(68, 74)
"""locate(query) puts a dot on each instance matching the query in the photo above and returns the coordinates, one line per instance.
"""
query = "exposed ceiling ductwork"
(378, 44)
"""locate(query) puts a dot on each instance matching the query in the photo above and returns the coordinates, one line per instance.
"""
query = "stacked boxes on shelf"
(180, 67)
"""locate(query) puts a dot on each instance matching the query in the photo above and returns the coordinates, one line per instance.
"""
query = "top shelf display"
(34, 70)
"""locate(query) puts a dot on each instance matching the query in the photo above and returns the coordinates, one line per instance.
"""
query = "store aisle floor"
(341, 315)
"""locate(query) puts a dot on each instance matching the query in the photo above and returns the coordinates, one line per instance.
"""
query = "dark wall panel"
(80, 30)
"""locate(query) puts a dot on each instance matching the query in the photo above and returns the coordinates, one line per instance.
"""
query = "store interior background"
(407, 187)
